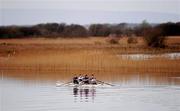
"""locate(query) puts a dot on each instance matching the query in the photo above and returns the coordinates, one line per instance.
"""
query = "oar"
(105, 83)
(64, 84)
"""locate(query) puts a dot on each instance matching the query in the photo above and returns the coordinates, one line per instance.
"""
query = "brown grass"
(91, 55)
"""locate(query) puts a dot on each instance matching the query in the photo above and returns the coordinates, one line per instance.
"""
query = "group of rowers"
(84, 79)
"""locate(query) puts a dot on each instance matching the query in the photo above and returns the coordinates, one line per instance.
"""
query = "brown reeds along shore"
(86, 55)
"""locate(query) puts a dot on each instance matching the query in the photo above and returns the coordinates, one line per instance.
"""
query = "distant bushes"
(50, 30)
(169, 29)
(54, 30)
(75, 31)
(155, 38)
(121, 29)
(9, 32)
(99, 30)
(62, 30)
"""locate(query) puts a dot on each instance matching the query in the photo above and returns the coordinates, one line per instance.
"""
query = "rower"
(80, 78)
(93, 79)
(75, 80)
(86, 79)
(92, 76)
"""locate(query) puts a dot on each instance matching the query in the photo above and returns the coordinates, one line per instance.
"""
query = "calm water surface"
(131, 93)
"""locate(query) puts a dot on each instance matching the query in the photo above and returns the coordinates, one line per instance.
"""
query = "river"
(132, 92)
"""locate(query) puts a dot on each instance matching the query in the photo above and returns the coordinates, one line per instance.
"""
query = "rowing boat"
(83, 85)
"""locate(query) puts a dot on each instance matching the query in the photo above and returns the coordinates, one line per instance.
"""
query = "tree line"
(54, 30)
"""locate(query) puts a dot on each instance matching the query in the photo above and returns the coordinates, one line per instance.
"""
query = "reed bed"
(82, 56)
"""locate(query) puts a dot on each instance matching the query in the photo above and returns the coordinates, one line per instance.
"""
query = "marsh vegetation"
(85, 55)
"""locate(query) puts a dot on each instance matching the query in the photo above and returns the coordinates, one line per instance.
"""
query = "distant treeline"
(54, 30)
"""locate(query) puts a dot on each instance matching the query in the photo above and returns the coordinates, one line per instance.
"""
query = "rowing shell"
(84, 85)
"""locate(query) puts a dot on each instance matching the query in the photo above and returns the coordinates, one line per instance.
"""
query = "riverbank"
(85, 55)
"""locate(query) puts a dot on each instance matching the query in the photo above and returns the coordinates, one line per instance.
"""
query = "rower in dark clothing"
(75, 80)
(86, 79)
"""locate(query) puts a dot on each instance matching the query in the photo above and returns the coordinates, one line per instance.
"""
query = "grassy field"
(90, 55)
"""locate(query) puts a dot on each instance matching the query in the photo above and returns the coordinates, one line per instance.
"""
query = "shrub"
(99, 30)
(154, 38)
(74, 30)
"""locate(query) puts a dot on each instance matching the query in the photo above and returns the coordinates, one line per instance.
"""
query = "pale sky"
(26, 12)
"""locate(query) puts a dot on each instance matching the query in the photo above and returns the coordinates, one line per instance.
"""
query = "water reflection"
(84, 94)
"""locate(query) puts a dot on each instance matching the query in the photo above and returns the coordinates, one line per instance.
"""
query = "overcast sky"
(26, 12)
